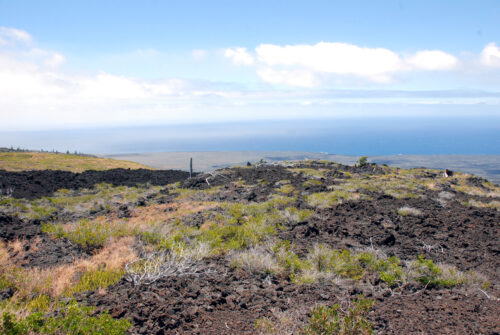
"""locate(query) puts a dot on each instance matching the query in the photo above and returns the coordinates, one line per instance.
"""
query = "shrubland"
(176, 231)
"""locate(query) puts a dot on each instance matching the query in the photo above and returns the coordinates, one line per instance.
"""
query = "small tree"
(363, 161)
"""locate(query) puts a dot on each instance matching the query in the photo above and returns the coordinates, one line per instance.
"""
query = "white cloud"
(490, 56)
(12, 35)
(337, 58)
(297, 78)
(199, 54)
(303, 64)
(432, 60)
(109, 87)
(146, 53)
(36, 93)
(55, 60)
(239, 56)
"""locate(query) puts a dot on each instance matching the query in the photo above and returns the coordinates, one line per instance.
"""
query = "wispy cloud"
(199, 54)
(36, 92)
(12, 35)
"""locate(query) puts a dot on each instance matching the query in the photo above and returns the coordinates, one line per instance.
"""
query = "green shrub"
(4, 282)
(362, 161)
(93, 280)
(41, 211)
(324, 263)
(73, 319)
(288, 260)
(390, 270)
(264, 325)
(90, 234)
(312, 183)
(427, 273)
(286, 189)
(329, 199)
(333, 320)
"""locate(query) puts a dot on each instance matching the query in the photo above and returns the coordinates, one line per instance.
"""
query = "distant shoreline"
(486, 166)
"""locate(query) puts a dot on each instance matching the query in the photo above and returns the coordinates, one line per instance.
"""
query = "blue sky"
(67, 64)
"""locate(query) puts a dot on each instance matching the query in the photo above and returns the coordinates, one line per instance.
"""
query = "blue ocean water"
(353, 136)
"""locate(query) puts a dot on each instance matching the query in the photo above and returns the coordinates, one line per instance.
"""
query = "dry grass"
(16, 246)
(144, 217)
(330, 199)
(113, 256)
(493, 192)
(486, 189)
(406, 210)
(492, 204)
(256, 259)
(21, 161)
(4, 256)
(57, 280)
(291, 321)
(444, 197)
(308, 172)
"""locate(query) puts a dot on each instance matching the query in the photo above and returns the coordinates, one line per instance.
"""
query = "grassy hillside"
(20, 161)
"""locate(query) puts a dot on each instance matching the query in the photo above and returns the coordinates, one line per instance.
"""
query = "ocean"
(348, 136)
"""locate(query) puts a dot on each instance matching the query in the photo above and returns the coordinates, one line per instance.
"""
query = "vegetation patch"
(217, 256)
(337, 320)
(428, 273)
(255, 259)
(309, 172)
(495, 204)
(72, 318)
(103, 197)
(330, 199)
(322, 263)
(406, 210)
(23, 161)
(93, 280)
(349, 317)
(90, 234)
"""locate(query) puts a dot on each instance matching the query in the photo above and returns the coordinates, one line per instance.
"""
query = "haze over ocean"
(355, 136)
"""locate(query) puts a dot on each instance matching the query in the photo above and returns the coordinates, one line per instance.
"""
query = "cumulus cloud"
(338, 58)
(239, 56)
(36, 92)
(55, 60)
(298, 78)
(490, 56)
(432, 60)
(12, 35)
(303, 64)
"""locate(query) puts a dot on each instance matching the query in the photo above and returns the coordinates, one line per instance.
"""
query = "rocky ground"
(223, 234)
